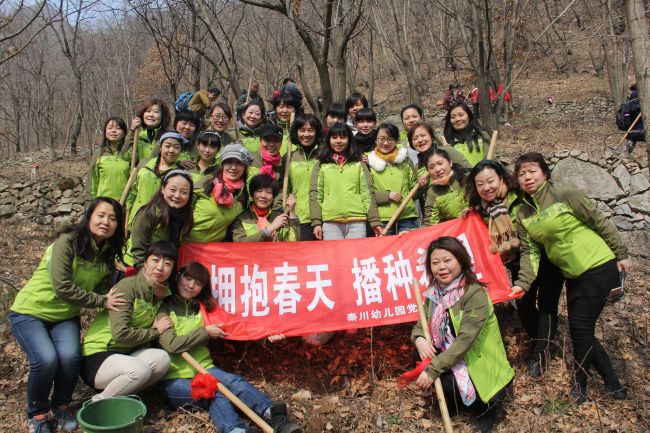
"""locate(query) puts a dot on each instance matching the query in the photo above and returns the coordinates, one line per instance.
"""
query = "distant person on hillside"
(247, 97)
(448, 97)
(201, 101)
(638, 132)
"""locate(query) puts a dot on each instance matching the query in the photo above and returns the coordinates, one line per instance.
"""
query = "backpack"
(623, 117)
(183, 102)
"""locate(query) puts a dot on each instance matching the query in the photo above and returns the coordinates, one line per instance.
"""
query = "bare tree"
(638, 26)
(19, 22)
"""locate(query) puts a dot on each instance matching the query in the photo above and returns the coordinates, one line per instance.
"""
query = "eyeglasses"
(219, 117)
(382, 140)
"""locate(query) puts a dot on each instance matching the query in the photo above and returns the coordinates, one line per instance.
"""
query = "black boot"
(578, 393)
(487, 421)
(280, 422)
(536, 366)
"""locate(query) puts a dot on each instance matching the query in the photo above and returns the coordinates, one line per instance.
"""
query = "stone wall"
(56, 202)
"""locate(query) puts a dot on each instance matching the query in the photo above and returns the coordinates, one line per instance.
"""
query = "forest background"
(65, 66)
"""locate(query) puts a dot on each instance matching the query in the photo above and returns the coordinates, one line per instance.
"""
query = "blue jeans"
(53, 351)
(177, 393)
(403, 225)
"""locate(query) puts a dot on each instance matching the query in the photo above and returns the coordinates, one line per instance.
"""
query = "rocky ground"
(349, 385)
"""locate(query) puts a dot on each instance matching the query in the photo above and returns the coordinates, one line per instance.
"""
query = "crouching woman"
(467, 353)
(188, 334)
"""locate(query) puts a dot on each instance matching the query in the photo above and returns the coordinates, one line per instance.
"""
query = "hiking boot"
(39, 424)
(65, 419)
(280, 422)
(535, 368)
(578, 394)
(629, 147)
(486, 423)
(618, 394)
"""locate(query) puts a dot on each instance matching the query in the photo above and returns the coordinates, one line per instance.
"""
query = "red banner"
(298, 288)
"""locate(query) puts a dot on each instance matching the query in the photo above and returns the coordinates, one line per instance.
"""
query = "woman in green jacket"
(445, 198)
(466, 351)
(189, 334)
(252, 118)
(167, 217)
(153, 118)
(268, 159)
(260, 222)
(44, 317)
(109, 171)
(147, 180)
(223, 196)
(341, 193)
(306, 135)
(393, 177)
(463, 134)
(585, 245)
(117, 357)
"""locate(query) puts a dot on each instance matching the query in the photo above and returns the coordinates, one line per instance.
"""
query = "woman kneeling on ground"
(467, 353)
(117, 356)
(188, 334)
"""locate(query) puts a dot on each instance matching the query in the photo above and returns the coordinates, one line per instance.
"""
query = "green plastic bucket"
(112, 415)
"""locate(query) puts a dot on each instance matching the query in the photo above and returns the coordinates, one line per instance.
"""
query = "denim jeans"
(403, 225)
(177, 393)
(53, 351)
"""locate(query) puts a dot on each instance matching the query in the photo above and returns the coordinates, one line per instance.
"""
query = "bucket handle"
(87, 402)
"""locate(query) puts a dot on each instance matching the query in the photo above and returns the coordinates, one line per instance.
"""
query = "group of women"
(346, 179)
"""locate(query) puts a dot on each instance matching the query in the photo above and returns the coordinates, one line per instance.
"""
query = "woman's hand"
(318, 232)
(291, 204)
(378, 230)
(215, 331)
(516, 290)
(424, 348)
(275, 338)
(279, 222)
(624, 265)
(114, 300)
(364, 158)
(163, 324)
(422, 181)
(424, 381)
(187, 164)
(395, 197)
(136, 123)
(465, 212)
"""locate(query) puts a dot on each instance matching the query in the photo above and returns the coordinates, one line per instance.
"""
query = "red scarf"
(262, 215)
(269, 161)
(339, 159)
(228, 199)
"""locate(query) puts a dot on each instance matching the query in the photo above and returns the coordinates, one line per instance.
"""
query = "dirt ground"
(349, 385)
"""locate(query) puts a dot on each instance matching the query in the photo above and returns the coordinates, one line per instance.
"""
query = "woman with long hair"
(109, 171)
(463, 133)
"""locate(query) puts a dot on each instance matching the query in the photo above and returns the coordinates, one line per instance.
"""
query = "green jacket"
(146, 185)
(250, 140)
(302, 166)
(199, 177)
(147, 141)
(63, 283)
(475, 156)
(575, 235)
(145, 231)
(211, 221)
(109, 173)
(478, 342)
(456, 158)
(397, 176)
(244, 228)
(130, 327)
(342, 194)
(443, 203)
(187, 335)
(258, 163)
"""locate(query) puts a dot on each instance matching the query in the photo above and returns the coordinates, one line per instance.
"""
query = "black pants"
(307, 232)
(586, 297)
(537, 309)
(455, 402)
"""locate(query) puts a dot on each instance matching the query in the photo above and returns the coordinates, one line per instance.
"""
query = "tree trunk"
(371, 70)
(196, 62)
(638, 27)
(17, 121)
(406, 60)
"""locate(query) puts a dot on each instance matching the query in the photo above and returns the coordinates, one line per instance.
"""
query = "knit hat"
(238, 152)
(175, 135)
(269, 130)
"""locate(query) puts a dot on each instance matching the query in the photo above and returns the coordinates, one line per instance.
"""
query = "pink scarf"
(269, 161)
(228, 199)
(442, 299)
(339, 159)
(262, 214)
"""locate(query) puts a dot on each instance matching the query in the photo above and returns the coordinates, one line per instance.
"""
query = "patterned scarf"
(226, 199)
(502, 232)
(442, 299)
(339, 159)
(269, 162)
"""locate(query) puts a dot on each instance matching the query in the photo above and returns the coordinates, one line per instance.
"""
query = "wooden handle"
(443, 140)
(266, 428)
(444, 411)
(493, 144)
(401, 207)
(285, 178)
(629, 129)
(250, 82)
